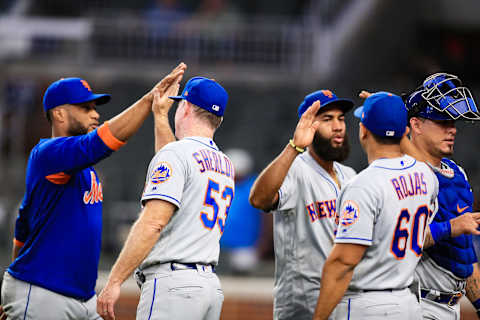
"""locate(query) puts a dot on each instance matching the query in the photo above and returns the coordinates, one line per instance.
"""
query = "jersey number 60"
(211, 197)
(416, 234)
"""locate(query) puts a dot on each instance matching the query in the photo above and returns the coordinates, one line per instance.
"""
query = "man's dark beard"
(75, 128)
(324, 149)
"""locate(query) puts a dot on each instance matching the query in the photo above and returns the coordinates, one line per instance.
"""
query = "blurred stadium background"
(268, 55)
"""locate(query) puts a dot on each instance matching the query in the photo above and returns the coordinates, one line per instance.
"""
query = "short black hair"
(386, 140)
(49, 116)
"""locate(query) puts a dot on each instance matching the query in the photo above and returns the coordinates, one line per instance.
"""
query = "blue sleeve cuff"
(440, 230)
(476, 304)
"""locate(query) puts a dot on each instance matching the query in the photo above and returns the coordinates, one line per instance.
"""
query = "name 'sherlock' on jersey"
(210, 160)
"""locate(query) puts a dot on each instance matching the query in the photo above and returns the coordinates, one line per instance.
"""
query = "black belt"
(175, 266)
(194, 266)
(450, 299)
(387, 289)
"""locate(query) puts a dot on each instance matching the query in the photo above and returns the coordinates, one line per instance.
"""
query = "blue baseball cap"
(326, 98)
(71, 91)
(206, 94)
(384, 114)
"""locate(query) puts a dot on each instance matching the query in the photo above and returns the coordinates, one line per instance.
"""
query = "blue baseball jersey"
(446, 265)
(454, 254)
(59, 223)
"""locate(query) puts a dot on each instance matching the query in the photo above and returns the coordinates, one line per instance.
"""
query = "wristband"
(298, 149)
(440, 230)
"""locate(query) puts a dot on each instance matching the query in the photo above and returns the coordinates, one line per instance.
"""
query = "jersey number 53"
(413, 237)
(219, 202)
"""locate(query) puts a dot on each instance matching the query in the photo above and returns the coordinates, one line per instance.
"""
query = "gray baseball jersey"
(304, 227)
(387, 208)
(198, 178)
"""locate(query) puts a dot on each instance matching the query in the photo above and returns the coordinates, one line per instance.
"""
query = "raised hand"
(171, 77)
(163, 88)
(161, 102)
(364, 94)
(306, 127)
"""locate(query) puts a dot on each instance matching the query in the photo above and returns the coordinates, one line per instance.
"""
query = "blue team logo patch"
(350, 213)
(161, 173)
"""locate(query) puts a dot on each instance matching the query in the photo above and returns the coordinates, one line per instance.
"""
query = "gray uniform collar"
(307, 157)
(203, 140)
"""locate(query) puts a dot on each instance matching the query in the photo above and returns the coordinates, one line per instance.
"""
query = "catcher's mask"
(442, 97)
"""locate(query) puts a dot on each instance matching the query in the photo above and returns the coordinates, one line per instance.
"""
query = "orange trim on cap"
(108, 138)
(18, 243)
(58, 178)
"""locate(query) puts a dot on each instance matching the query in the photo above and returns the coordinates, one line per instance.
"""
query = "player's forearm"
(139, 243)
(125, 124)
(466, 223)
(264, 192)
(473, 285)
(163, 132)
(428, 242)
(336, 277)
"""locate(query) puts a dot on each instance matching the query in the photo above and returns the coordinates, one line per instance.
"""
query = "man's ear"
(188, 107)
(415, 125)
(362, 131)
(59, 114)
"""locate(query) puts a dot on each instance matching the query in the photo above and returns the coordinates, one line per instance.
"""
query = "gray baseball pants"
(25, 301)
(180, 294)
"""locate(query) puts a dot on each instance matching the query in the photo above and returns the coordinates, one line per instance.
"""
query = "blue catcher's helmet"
(442, 97)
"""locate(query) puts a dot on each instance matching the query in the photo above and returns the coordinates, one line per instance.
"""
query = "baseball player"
(175, 242)
(448, 269)
(383, 211)
(58, 228)
(301, 189)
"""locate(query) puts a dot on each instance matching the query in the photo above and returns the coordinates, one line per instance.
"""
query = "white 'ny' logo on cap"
(215, 107)
(390, 133)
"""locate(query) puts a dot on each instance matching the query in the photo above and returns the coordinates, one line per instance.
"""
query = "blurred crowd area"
(59, 8)
(267, 54)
